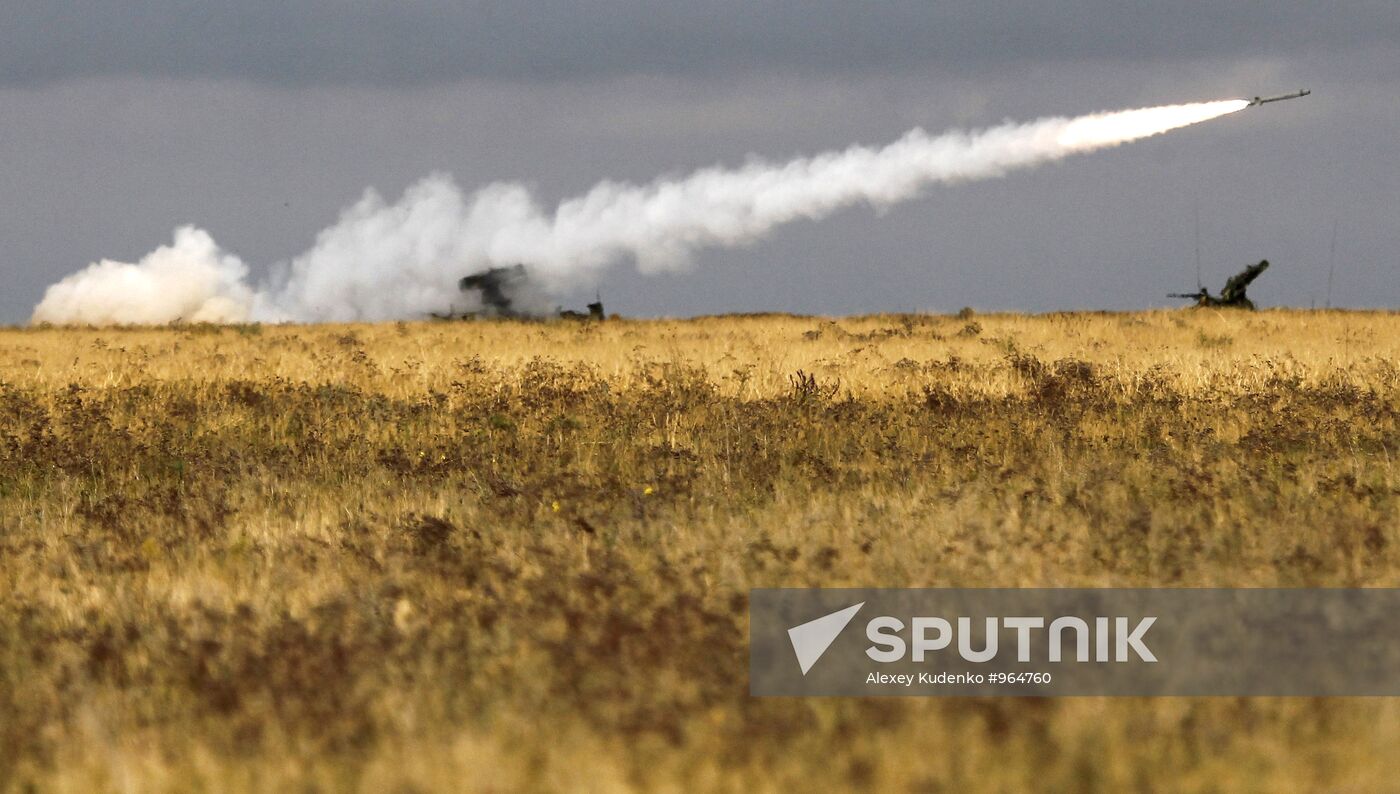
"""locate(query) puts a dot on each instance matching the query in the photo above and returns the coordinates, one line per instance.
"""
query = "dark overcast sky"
(258, 120)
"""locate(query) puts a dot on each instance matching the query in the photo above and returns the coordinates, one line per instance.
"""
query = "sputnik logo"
(811, 639)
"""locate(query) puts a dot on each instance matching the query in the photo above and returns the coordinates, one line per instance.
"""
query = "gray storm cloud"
(426, 41)
(399, 260)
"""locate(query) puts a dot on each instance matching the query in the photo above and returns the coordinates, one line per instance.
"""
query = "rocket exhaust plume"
(384, 261)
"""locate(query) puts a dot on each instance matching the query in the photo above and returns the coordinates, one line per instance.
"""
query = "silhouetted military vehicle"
(498, 288)
(595, 312)
(1233, 296)
(509, 292)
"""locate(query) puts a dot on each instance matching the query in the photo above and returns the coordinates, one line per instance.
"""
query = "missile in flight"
(1264, 100)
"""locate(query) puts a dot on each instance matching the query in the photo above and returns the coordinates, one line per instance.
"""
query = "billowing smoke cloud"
(403, 260)
(189, 280)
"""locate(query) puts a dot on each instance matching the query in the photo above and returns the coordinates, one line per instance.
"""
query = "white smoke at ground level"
(384, 260)
(190, 280)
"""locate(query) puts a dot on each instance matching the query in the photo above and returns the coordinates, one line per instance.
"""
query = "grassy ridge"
(498, 556)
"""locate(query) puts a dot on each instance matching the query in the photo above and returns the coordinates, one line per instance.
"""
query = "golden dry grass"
(509, 556)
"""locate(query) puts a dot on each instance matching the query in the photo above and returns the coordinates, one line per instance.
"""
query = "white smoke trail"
(402, 260)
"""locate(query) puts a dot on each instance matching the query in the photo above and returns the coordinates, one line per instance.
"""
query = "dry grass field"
(501, 556)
